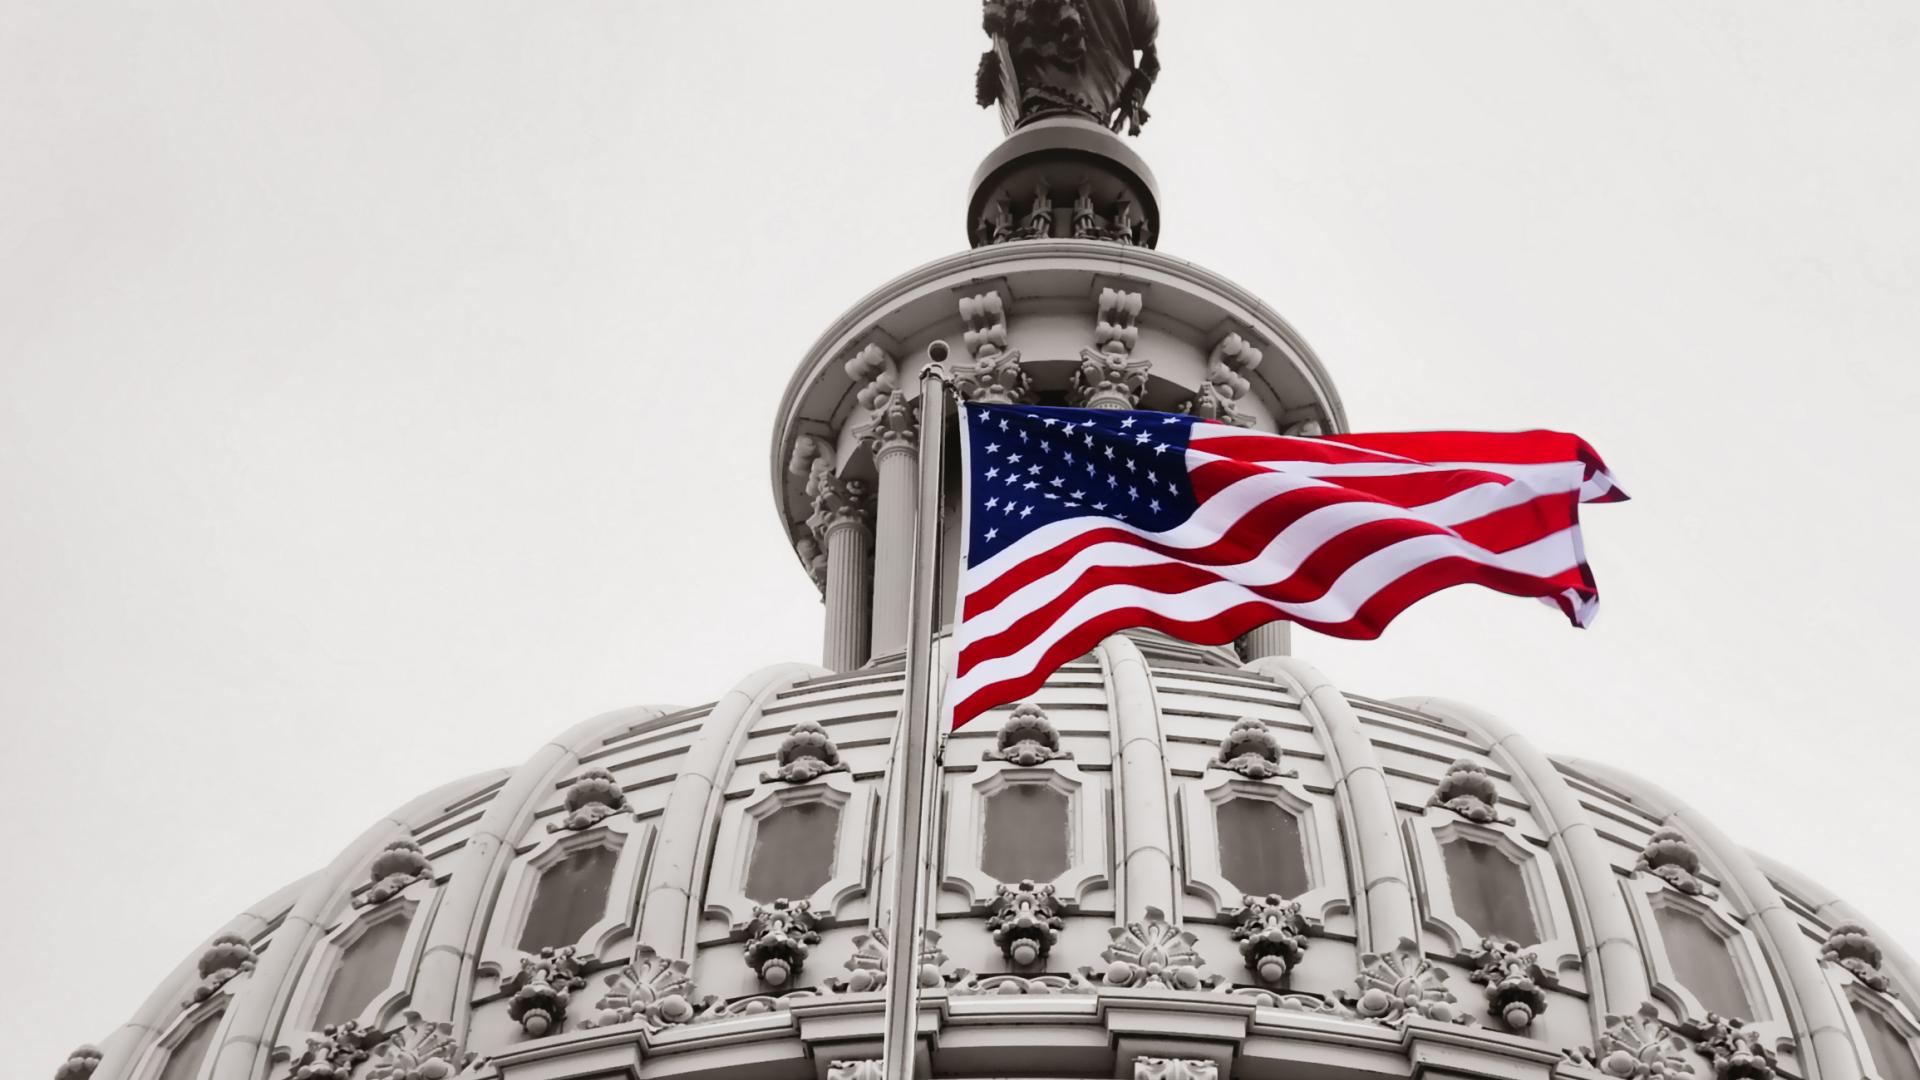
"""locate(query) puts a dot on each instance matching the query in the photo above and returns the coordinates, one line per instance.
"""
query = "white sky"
(384, 387)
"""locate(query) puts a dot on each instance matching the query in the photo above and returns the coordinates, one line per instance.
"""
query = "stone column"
(840, 520)
(1273, 639)
(893, 437)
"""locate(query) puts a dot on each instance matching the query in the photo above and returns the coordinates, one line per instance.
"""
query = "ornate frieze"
(1399, 984)
(541, 991)
(1154, 952)
(228, 957)
(1027, 738)
(807, 753)
(1025, 922)
(1639, 1046)
(333, 1053)
(1159, 1068)
(994, 375)
(965, 983)
(398, 865)
(1849, 946)
(1251, 749)
(1467, 790)
(1228, 363)
(867, 967)
(778, 937)
(591, 798)
(79, 1065)
(1109, 375)
(1671, 858)
(419, 1050)
(756, 1005)
(1513, 981)
(1272, 935)
(653, 991)
(855, 1069)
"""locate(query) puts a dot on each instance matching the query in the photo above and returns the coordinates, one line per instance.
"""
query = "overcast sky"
(386, 386)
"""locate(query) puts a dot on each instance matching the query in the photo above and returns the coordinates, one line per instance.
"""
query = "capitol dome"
(1172, 861)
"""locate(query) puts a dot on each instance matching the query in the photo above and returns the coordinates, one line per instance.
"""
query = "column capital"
(893, 425)
(1109, 375)
(994, 375)
(838, 502)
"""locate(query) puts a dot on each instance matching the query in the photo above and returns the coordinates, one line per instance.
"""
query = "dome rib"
(1609, 944)
(1385, 909)
(1141, 798)
(453, 941)
(1812, 1011)
(668, 916)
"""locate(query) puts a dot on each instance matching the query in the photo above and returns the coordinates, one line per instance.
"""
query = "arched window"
(1701, 962)
(793, 850)
(1892, 1053)
(187, 1055)
(570, 897)
(1260, 847)
(1489, 891)
(365, 968)
(1026, 832)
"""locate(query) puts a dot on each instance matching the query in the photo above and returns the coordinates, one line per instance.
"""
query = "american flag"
(1082, 522)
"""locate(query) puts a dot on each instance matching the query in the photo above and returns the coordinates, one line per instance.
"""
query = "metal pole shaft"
(917, 719)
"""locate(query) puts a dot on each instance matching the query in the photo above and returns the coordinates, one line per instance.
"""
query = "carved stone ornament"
(543, 988)
(79, 1064)
(1227, 366)
(994, 375)
(856, 1069)
(399, 865)
(1272, 935)
(1637, 1047)
(1109, 376)
(1399, 984)
(807, 753)
(1251, 749)
(813, 558)
(892, 420)
(226, 958)
(838, 501)
(966, 983)
(778, 936)
(1736, 1050)
(593, 797)
(1513, 981)
(1025, 922)
(1849, 946)
(1669, 857)
(332, 1054)
(867, 967)
(653, 991)
(1070, 57)
(1028, 738)
(756, 1005)
(1156, 953)
(1467, 790)
(421, 1050)
(1159, 1068)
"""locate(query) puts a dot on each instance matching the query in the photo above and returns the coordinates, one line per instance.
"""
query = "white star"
(991, 533)
(1133, 492)
(1033, 470)
(993, 502)
(1013, 459)
(1090, 468)
(1050, 495)
(1029, 485)
(1109, 453)
(1099, 506)
(1069, 457)
(1077, 495)
(1132, 465)
(1089, 440)
(1025, 510)
(1171, 420)
(1142, 437)
(1112, 480)
(1153, 505)
(1127, 423)
(1003, 424)
(1047, 420)
(993, 448)
(991, 473)
(1055, 482)
(1023, 436)
(1161, 448)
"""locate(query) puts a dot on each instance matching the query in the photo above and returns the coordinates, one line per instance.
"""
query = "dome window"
(365, 968)
(570, 897)
(1026, 832)
(187, 1055)
(1700, 960)
(1261, 852)
(1891, 1050)
(1489, 891)
(793, 851)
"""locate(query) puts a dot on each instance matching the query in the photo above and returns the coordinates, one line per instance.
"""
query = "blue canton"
(1031, 465)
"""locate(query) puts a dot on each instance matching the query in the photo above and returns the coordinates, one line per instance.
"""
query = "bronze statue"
(1071, 57)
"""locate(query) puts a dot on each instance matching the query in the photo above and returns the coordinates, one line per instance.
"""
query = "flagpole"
(918, 718)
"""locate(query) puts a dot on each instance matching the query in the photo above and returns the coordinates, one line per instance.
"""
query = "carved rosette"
(653, 991)
(593, 797)
(1513, 981)
(1227, 366)
(79, 1064)
(994, 375)
(542, 989)
(1671, 858)
(332, 1054)
(807, 753)
(1637, 1047)
(1025, 922)
(1272, 935)
(778, 937)
(1156, 953)
(1251, 749)
(1028, 738)
(228, 957)
(1467, 790)
(421, 1050)
(1399, 984)
(399, 865)
(856, 1069)
(867, 967)
(1109, 376)
(1736, 1050)
(1849, 946)
(1159, 1068)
